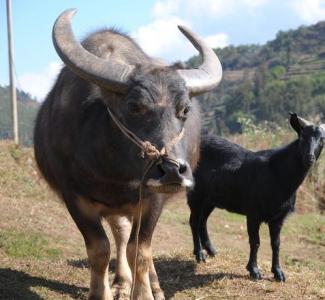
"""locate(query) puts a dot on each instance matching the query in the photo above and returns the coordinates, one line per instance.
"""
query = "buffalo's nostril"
(182, 168)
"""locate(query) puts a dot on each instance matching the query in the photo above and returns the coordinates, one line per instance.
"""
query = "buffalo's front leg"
(121, 229)
(275, 228)
(142, 285)
(88, 220)
(154, 282)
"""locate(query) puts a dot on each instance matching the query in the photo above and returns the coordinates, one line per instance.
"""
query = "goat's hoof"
(211, 251)
(255, 273)
(279, 275)
(200, 257)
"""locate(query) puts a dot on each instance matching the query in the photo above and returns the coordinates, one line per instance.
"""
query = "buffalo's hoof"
(121, 292)
(159, 295)
(279, 275)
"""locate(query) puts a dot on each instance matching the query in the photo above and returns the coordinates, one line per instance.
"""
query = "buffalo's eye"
(186, 110)
(182, 114)
(135, 108)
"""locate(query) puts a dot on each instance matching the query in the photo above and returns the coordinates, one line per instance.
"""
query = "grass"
(42, 254)
(27, 245)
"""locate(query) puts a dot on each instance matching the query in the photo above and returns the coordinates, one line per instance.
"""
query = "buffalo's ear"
(178, 65)
(294, 122)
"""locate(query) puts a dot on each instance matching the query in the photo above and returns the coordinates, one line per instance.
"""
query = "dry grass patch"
(42, 255)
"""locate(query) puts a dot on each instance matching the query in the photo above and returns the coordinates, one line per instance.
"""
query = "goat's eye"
(134, 108)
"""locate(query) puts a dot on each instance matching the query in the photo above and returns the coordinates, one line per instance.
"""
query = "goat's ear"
(322, 129)
(294, 122)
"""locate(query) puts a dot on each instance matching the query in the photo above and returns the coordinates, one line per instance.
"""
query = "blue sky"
(151, 22)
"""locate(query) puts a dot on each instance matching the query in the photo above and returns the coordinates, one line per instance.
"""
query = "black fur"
(261, 185)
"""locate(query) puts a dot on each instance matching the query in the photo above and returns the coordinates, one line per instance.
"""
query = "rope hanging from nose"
(146, 147)
(155, 157)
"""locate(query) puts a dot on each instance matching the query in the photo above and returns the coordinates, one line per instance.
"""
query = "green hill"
(265, 82)
(27, 109)
(260, 83)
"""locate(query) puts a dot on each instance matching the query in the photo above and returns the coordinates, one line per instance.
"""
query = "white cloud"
(309, 10)
(162, 39)
(218, 40)
(203, 8)
(38, 84)
(165, 8)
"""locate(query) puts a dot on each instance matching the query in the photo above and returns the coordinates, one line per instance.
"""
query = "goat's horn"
(209, 73)
(103, 72)
(303, 122)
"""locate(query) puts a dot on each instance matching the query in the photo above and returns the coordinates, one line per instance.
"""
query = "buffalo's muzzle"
(172, 177)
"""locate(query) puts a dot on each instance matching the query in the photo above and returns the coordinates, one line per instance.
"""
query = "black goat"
(261, 185)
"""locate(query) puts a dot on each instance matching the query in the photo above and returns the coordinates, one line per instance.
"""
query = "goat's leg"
(142, 284)
(121, 229)
(195, 219)
(253, 227)
(204, 235)
(88, 220)
(275, 229)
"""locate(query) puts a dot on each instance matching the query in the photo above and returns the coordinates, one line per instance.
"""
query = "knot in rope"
(147, 148)
(151, 151)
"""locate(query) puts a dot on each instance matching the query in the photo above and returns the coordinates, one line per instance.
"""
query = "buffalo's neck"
(105, 154)
(288, 168)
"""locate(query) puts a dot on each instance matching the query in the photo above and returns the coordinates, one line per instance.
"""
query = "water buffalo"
(114, 110)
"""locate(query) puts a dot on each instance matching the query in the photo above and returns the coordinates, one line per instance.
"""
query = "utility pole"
(12, 76)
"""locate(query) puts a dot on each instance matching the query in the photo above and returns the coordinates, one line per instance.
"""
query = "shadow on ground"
(175, 274)
(17, 285)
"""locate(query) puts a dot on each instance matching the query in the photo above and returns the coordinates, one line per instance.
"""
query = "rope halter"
(147, 148)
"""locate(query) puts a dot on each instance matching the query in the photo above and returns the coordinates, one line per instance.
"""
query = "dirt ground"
(42, 255)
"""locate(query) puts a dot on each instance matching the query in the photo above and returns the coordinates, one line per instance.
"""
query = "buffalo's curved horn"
(103, 72)
(303, 122)
(209, 73)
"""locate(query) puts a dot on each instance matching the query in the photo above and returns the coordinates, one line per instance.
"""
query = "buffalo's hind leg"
(204, 235)
(87, 218)
(121, 229)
